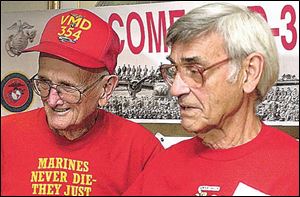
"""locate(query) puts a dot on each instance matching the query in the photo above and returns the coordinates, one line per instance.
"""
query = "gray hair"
(244, 32)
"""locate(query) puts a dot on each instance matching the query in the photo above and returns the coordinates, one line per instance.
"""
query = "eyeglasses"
(67, 93)
(190, 73)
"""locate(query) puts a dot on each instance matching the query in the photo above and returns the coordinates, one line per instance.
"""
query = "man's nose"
(179, 87)
(54, 98)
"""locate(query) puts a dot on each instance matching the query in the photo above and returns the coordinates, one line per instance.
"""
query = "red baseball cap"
(82, 38)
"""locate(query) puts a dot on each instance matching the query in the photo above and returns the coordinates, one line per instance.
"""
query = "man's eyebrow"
(61, 82)
(194, 59)
(190, 60)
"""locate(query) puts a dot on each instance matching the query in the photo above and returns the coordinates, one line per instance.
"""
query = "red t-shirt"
(36, 161)
(269, 164)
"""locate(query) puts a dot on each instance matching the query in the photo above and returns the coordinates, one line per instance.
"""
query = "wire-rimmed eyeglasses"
(67, 93)
(190, 73)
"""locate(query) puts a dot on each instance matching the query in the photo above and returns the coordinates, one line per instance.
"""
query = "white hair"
(243, 31)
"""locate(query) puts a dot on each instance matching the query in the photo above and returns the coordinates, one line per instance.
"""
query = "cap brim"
(69, 54)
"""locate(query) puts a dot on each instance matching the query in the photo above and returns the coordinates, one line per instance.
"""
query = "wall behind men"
(166, 128)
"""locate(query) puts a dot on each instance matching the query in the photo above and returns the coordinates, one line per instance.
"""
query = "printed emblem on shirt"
(206, 190)
(62, 176)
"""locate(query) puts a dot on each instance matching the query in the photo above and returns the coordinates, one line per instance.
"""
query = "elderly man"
(70, 147)
(223, 61)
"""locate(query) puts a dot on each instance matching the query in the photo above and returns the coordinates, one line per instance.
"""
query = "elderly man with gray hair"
(223, 61)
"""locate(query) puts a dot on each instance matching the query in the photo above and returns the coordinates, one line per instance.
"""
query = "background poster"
(141, 95)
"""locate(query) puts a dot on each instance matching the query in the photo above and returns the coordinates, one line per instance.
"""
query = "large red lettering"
(161, 31)
(135, 49)
(290, 26)
(175, 14)
(117, 18)
(261, 11)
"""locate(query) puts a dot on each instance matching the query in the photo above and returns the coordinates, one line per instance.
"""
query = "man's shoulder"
(121, 123)
(281, 141)
(129, 131)
(21, 115)
(280, 135)
(20, 123)
(118, 120)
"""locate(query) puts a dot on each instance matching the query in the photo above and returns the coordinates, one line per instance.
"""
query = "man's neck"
(236, 130)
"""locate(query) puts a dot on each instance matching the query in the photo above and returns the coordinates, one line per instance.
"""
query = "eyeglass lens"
(67, 93)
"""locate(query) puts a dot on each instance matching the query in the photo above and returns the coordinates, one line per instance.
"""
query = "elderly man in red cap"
(69, 146)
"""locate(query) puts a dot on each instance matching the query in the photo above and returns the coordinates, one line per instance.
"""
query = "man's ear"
(253, 71)
(110, 83)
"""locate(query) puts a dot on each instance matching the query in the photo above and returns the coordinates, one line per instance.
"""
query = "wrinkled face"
(60, 114)
(212, 103)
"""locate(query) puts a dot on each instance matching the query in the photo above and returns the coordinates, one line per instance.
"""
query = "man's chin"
(56, 127)
(188, 127)
(193, 127)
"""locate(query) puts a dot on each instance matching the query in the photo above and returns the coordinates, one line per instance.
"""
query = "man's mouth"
(60, 109)
(184, 107)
